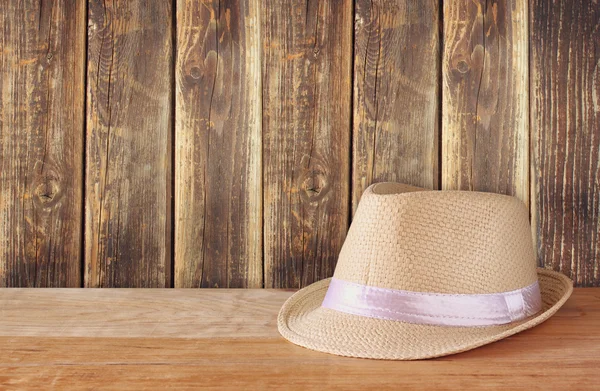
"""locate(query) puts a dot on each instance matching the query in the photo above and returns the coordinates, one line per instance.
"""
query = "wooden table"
(227, 339)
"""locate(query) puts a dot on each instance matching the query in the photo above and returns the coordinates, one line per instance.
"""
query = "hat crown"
(438, 241)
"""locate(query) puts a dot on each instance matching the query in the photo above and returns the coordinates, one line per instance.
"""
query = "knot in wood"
(48, 192)
(195, 72)
(314, 186)
(462, 66)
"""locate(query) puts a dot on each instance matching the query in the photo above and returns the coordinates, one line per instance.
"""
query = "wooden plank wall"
(128, 219)
(565, 133)
(218, 184)
(42, 68)
(307, 79)
(485, 107)
(226, 143)
(396, 98)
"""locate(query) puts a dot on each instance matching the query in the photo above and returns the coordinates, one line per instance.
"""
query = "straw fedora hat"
(425, 274)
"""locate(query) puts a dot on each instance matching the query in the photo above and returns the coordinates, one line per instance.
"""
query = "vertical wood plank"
(396, 93)
(485, 109)
(565, 124)
(129, 141)
(218, 232)
(42, 56)
(307, 60)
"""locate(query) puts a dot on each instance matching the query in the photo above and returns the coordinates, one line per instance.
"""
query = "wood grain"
(242, 355)
(485, 106)
(307, 56)
(218, 194)
(42, 57)
(128, 220)
(565, 125)
(396, 94)
(141, 313)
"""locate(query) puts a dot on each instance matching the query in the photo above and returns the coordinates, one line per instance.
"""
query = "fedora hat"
(425, 274)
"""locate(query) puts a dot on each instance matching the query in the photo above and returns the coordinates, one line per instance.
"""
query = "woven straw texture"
(424, 241)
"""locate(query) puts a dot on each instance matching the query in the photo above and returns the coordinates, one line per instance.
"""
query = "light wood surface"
(227, 339)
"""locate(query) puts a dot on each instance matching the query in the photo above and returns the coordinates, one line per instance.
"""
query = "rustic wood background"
(227, 143)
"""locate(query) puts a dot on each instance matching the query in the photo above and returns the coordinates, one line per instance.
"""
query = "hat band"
(440, 309)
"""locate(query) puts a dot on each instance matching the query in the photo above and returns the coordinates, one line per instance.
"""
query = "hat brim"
(304, 322)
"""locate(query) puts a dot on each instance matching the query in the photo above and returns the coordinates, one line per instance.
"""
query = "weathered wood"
(42, 57)
(307, 56)
(227, 339)
(218, 194)
(565, 121)
(129, 144)
(396, 94)
(485, 106)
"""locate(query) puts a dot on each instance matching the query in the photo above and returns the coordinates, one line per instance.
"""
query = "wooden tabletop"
(227, 339)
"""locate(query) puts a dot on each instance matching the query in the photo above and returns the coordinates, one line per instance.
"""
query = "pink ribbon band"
(439, 309)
